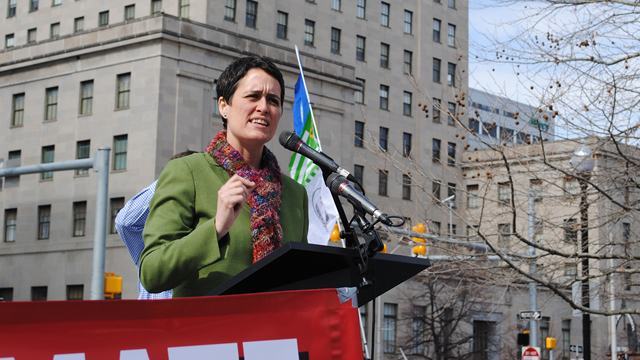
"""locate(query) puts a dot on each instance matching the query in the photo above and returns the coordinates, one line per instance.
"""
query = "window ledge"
(49, 121)
(85, 115)
(16, 126)
(122, 108)
(81, 175)
(118, 171)
(46, 180)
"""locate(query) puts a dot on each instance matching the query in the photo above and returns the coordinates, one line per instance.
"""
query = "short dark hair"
(231, 76)
(183, 154)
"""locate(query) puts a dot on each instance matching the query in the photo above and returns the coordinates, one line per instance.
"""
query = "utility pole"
(533, 291)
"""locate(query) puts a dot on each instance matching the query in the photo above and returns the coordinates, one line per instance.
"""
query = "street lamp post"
(583, 162)
(451, 203)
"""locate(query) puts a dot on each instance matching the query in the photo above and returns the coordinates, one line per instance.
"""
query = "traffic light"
(551, 343)
(419, 249)
(112, 286)
(523, 339)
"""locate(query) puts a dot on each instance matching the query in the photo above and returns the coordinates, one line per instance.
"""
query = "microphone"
(289, 140)
(340, 186)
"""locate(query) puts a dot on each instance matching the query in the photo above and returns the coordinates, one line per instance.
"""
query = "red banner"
(309, 324)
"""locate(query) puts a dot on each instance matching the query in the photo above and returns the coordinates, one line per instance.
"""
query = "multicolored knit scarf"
(266, 232)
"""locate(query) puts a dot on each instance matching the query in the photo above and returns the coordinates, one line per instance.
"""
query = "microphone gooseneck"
(339, 185)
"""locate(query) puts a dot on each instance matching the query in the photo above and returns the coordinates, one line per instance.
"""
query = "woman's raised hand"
(231, 198)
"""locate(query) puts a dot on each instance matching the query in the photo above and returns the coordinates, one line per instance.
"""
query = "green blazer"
(182, 251)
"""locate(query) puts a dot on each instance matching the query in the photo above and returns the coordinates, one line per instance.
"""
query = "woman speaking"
(216, 213)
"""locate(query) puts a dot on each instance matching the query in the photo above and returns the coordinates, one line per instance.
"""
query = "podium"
(299, 266)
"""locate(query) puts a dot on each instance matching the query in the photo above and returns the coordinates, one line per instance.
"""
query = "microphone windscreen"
(334, 181)
(289, 139)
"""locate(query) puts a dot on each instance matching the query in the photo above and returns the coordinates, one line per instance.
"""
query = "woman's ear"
(223, 107)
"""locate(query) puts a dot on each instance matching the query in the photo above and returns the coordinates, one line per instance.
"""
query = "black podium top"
(299, 266)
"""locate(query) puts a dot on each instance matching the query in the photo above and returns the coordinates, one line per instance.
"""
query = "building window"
(33, 5)
(384, 14)
(86, 97)
(156, 6)
(418, 328)
(358, 173)
(504, 234)
(571, 270)
(451, 116)
(359, 94)
(103, 18)
(8, 41)
(566, 339)
(79, 218)
(408, 21)
(44, 221)
(361, 6)
(78, 24)
(436, 109)
(472, 232)
(359, 134)
(406, 103)
(6, 294)
(360, 47)
(51, 104)
(435, 151)
(451, 191)
(82, 152)
(335, 40)
(406, 187)
(435, 190)
(123, 91)
(384, 55)
(406, 144)
(129, 12)
(384, 97)
(38, 293)
(120, 152)
(230, 10)
(451, 154)
(56, 2)
(473, 202)
(10, 218)
(436, 227)
(251, 18)
(55, 30)
(384, 138)
(283, 19)
(536, 186)
(436, 30)
(75, 292)
(47, 157)
(408, 62)
(452, 4)
(571, 185)
(389, 326)
(504, 193)
(32, 35)
(309, 32)
(451, 39)
(116, 205)
(436, 69)
(571, 231)
(451, 74)
(12, 8)
(18, 110)
(383, 177)
(184, 8)
(335, 5)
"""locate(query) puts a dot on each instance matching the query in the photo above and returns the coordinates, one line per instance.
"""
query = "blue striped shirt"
(129, 224)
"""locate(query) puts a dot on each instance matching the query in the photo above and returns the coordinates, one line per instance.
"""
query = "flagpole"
(304, 84)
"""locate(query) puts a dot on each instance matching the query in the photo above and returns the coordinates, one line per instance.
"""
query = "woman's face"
(254, 112)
